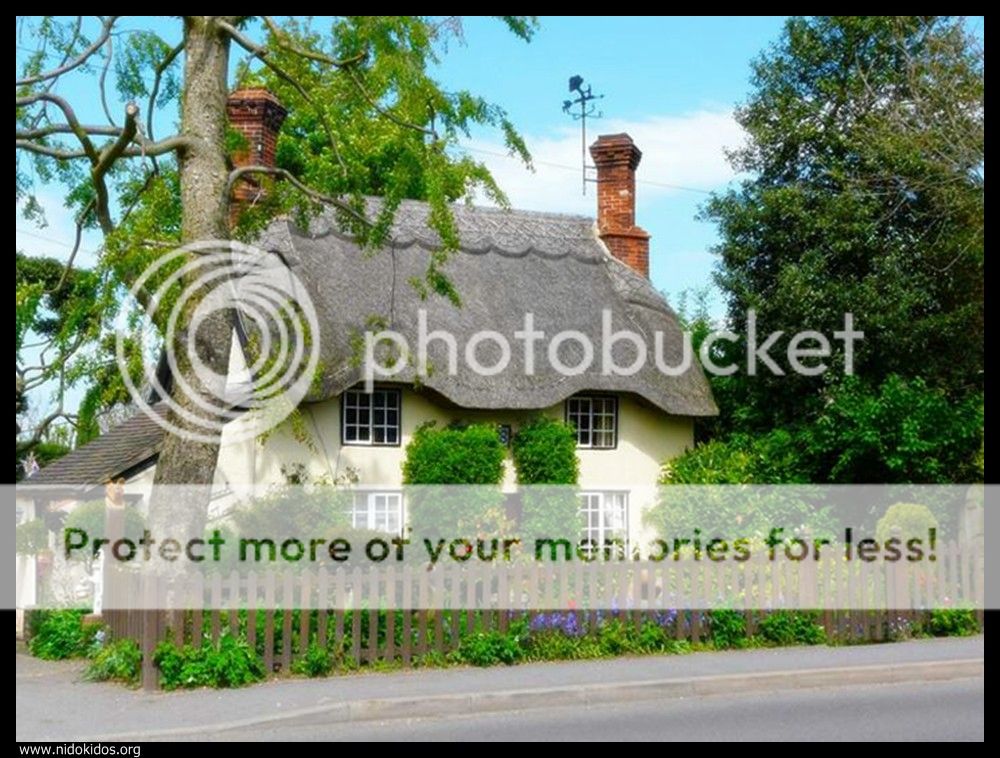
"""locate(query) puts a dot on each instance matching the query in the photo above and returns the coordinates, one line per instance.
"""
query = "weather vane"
(581, 108)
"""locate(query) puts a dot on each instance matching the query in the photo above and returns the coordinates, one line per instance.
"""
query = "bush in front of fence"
(231, 653)
(232, 664)
(952, 622)
(785, 628)
(59, 634)
(118, 661)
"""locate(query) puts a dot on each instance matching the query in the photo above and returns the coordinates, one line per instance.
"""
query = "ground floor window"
(605, 517)
(378, 511)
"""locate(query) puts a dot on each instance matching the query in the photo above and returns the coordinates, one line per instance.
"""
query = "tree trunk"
(203, 174)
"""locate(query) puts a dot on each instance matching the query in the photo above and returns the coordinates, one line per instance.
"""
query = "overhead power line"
(564, 167)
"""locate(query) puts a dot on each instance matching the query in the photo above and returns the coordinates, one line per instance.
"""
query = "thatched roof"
(510, 262)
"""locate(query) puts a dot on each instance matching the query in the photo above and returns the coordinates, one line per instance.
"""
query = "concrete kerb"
(429, 706)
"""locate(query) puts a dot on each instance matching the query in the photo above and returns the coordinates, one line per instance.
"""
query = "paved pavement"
(52, 702)
(870, 713)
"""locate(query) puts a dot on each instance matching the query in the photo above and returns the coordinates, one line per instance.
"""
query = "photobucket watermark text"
(617, 352)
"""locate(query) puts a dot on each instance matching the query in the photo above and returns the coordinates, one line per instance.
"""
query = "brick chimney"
(257, 115)
(616, 158)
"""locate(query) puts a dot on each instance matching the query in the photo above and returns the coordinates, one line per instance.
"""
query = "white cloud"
(684, 151)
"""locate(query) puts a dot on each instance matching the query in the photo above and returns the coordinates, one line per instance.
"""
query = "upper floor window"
(370, 418)
(595, 418)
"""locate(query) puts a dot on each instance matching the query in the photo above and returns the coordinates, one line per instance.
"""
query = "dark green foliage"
(45, 453)
(544, 452)
(316, 662)
(902, 431)
(905, 431)
(233, 664)
(728, 628)
(61, 634)
(491, 648)
(120, 661)
(792, 628)
(866, 196)
(454, 455)
(866, 154)
(952, 622)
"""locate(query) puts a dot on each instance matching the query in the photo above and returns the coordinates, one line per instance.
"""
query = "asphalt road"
(933, 711)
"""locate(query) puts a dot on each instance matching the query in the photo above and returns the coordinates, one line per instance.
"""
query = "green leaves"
(467, 455)
(866, 196)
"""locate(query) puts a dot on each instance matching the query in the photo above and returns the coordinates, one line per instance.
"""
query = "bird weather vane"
(580, 109)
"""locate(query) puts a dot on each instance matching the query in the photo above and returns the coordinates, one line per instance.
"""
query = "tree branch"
(101, 83)
(336, 202)
(71, 120)
(80, 220)
(285, 42)
(104, 162)
(260, 52)
(161, 68)
(47, 131)
(96, 45)
(385, 112)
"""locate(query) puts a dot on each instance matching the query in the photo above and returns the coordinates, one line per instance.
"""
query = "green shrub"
(614, 638)
(792, 628)
(912, 519)
(653, 638)
(233, 664)
(491, 648)
(120, 661)
(773, 458)
(454, 455)
(316, 662)
(901, 432)
(557, 646)
(728, 628)
(61, 634)
(544, 452)
(952, 622)
(91, 518)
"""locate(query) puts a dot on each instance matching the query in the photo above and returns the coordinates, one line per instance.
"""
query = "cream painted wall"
(646, 438)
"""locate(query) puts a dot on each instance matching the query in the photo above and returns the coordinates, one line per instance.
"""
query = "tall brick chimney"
(616, 158)
(257, 115)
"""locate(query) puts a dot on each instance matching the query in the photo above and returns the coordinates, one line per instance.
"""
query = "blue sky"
(671, 82)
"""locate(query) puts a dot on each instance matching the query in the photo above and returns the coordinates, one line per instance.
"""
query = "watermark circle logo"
(192, 298)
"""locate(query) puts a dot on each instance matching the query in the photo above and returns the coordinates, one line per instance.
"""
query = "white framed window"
(378, 511)
(370, 418)
(605, 517)
(595, 418)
